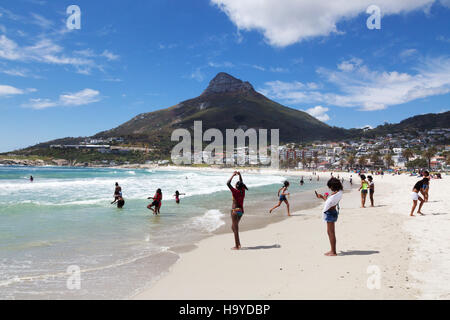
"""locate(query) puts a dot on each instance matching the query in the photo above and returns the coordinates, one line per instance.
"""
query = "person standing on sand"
(282, 193)
(415, 196)
(364, 190)
(371, 189)
(237, 209)
(425, 187)
(331, 211)
(351, 180)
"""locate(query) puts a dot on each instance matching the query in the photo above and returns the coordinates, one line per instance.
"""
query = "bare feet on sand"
(330, 254)
(236, 248)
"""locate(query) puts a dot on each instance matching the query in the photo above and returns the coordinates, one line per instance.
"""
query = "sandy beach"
(409, 257)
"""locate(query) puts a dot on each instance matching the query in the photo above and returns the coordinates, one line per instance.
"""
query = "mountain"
(230, 103)
(413, 125)
(227, 103)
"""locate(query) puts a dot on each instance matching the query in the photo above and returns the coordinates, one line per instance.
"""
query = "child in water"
(120, 202)
(282, 193)
(156, 202)
(331, 211)
(177, 196)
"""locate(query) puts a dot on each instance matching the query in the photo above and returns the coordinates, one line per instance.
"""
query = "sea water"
(64, 218)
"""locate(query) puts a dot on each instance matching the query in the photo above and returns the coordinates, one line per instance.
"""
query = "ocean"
(64, 219)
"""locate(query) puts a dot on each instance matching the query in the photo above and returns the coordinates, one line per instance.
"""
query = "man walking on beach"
(238, 206)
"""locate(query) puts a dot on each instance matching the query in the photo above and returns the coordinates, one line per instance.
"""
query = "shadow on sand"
(357, 253)
(274, 246)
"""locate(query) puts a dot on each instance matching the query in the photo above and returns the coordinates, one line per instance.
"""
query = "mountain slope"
(227, 103)
(414, 124)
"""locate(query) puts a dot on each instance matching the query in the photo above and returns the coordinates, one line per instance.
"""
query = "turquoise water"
(64, 218)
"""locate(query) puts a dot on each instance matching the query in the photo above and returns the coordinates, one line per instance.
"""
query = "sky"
(131, 57)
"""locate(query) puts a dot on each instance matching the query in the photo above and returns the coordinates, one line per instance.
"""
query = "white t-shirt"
(332, 201)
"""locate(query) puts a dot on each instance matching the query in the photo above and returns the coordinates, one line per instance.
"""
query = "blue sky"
(138, 56)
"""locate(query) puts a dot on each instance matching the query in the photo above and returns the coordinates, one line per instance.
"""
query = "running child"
(282, 193)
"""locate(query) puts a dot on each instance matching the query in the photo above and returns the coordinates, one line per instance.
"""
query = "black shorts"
(155, 203)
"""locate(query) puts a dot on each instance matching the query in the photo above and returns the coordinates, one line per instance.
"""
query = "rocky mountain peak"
(223, 82)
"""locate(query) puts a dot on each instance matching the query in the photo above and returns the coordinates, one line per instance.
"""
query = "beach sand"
(410, 256)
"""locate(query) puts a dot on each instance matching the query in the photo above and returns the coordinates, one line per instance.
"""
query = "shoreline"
(284, 259)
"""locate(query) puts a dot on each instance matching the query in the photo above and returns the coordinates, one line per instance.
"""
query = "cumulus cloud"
(6, 90)
(319, 112)
(80, 98)
(285, 22)
(368, 90)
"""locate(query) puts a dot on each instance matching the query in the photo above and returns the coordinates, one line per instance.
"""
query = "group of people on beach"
(155, 206)
(330, 210)
(331, 207)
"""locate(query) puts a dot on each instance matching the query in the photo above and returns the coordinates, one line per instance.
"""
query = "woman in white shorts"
(415, 196)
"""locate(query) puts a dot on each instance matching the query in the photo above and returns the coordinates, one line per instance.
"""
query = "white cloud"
(198, 75)
(45, 51)
(285, 22)
(225, 64)
(80, 98)
(349, 65)
(408, 53)
(368, 90)
(15, 72)
(257, 67)
(41, 21)
(48, 52)
(6, 90)
(445, 3)
(319, 112)
(109, 55)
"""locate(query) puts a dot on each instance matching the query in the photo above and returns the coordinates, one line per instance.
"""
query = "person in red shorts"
(156, 202)
(238, 206)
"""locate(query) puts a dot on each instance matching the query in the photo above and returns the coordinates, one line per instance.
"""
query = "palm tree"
(304, 162)
(316, 161)
(374, 158)
(407, 154)
(342, 163)
(309, 161)
(362, 161)
(428, 154)
(351, 160)
(389, 161)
